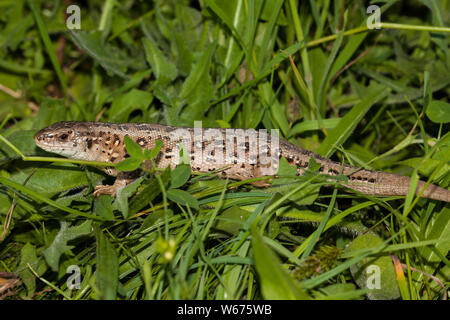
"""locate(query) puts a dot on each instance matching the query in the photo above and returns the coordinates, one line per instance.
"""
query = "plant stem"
(384, 25)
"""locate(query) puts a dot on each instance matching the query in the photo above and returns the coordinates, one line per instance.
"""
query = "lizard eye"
(63, 136)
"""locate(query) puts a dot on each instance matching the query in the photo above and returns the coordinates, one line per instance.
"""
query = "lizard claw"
(111, 190)
(108, 190)
(261, 183)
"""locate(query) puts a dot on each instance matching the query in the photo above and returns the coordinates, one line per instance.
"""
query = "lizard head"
(65, 138)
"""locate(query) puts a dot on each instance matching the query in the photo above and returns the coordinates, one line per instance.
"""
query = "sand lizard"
(105, 142)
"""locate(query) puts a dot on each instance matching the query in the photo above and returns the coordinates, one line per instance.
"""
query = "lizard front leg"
(122, 179)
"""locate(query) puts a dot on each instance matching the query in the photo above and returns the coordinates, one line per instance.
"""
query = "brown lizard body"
(97, 141)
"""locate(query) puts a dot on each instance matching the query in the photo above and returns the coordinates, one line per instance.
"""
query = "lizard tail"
(388, 184)
(433, 192)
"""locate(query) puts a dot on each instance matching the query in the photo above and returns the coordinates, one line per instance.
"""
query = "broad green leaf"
(199, 74)
(28, 258)
(164, 70)
(231, 220)
(53, 178)
(129, 164)
(93, 44)
(180, 176)
(182, 197)
(103, 207)
(133, 149)
(107, 274)
(128, 102)
(59, 245)
(203, 92)
(184, 57)
(121, 202)
(14, 108)
(375, 273)
(22, 140)
(438, 111)
(15, 29)
(275, 282)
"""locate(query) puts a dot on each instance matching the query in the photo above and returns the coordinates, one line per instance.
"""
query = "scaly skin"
(99, 141)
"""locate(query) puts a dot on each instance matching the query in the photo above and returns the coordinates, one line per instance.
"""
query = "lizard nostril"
(38, 136)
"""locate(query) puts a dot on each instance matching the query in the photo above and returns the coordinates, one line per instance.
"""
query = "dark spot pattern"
(142, 142)
(116, 139)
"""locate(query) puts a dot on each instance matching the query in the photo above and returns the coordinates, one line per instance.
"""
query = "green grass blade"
(276, 284)
(349, 122)
(48, 44)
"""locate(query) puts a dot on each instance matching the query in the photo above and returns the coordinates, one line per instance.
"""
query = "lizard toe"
(105, 189)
